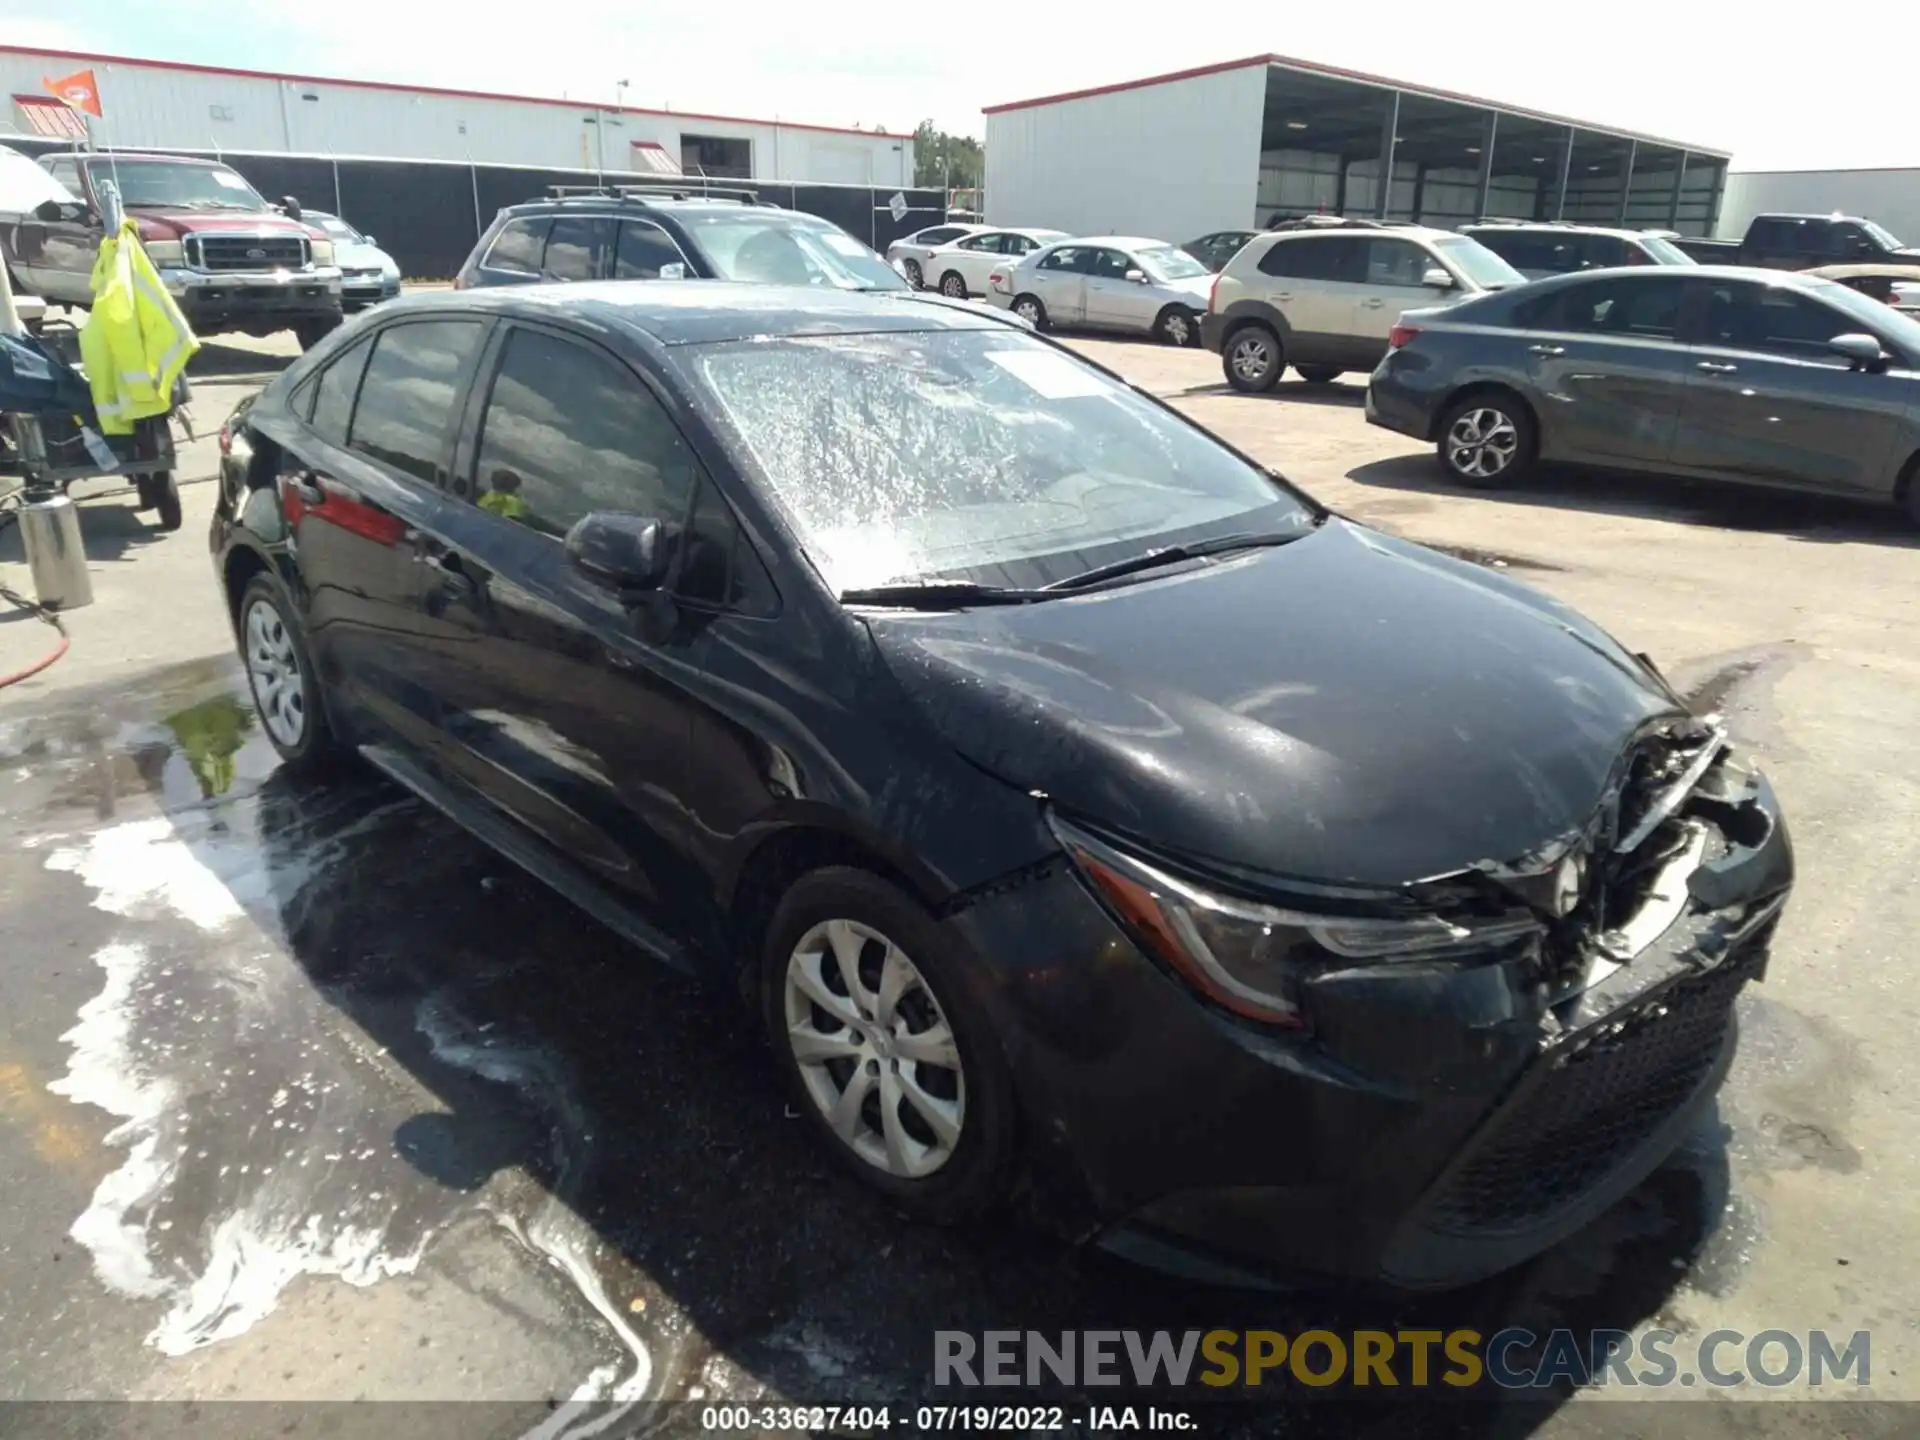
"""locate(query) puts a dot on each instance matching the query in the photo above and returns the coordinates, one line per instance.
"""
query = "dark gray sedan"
(1713, 372)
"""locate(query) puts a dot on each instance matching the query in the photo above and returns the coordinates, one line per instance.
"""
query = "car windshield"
(788, 250)
(1881, 234)
(340, 230)
(1477, 262)
(1169, 262)
(184, 187)
(976, 455)
(1665, 251)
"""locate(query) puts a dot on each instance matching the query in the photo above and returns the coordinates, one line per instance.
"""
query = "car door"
(1317, 288)
(1393, 283)
(972, 259)
(1769, 400)
(1606, 356)
(563, 700)
(68, 247)
(1113, 301)
(1059, 279)
(354, 488)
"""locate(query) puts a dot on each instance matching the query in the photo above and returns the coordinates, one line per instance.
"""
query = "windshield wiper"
(941, 595)
(1170, 555)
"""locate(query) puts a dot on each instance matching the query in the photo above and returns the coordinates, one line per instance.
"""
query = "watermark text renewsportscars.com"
(1511, 1359)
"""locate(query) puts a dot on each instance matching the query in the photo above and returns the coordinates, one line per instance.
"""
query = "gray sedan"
(1714, 372)
(1107, 282)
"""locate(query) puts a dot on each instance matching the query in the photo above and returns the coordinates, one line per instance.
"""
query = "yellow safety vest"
(135, 342)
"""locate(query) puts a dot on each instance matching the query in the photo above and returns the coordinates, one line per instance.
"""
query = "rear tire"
(1488, 440)
(1177, 325)
(311, 332)
(1319, 374)
(914, 277)
(1253, 359)
(281, 679)
(953, 285)
(936, 1135)
(1029, 309)
(161, 494)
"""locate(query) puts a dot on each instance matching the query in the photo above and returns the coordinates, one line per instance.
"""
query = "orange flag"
(78, 90)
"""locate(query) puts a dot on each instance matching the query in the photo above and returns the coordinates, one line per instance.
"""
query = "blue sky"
(1778, 95)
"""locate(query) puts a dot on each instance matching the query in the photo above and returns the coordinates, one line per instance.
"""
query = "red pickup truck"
(233, 262)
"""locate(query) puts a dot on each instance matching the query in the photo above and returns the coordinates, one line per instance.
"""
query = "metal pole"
(1490, 134)
(1389, 140)
(1566, 169)
(1626, 181)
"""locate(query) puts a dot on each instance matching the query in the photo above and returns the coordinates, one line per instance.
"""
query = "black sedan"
(1080, 806)
(1716, 373)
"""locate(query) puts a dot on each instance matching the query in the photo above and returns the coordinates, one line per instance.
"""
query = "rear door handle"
(1374, 304)
(1546, 349)
(1713, 367)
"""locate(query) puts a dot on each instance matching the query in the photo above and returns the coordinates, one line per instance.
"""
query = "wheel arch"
(1484, 387)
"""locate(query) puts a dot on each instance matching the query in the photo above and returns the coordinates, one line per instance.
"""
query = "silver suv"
(1325, 298)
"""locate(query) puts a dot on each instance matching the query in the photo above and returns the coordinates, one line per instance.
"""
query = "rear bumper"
(1213, 331)
(1393, 404)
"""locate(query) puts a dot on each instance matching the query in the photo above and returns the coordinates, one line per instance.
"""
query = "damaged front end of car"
(1535, 1034)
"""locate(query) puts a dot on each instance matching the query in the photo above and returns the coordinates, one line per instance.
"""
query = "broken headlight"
(1251, 958)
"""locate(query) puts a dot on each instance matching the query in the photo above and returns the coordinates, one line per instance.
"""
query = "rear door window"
(519, 245)
(577, 247)
(407, 394)
(1643, 308)
(1316, 257)
(1075, 259)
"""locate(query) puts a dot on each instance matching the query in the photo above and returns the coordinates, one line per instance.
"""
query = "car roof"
(705, 312)
(1119, 242)
(1786, 279)
(127, 157)
(1554, 227)
(611, 204)
(1384, 229)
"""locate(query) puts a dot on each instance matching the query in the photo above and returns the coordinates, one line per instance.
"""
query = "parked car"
(1106, 282)
(1540, 250)
(960, 269)
(1714, 372)
(1324, 298)
(909, 253)
(1049, 780)
(1895, 285)
(1804, 242)
(1213, 251)
(368, 274)
(618, 235)
(234, 263)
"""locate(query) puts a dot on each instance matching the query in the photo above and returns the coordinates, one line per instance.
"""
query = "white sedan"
(1107, 282)
(909, 253)
(961, 268)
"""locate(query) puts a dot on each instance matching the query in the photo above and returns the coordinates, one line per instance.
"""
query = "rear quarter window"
(519, 245)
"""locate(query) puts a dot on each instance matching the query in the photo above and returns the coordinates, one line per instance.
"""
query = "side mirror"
(291, 206)
(1138, 277)
(1437, 279)
(627, 552)
(63, 212)
(1863, 350)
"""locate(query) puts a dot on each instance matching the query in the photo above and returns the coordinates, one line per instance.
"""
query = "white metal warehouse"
(1227, 146)
(161, 105)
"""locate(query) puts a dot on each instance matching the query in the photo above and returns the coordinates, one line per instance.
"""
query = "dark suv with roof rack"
(633, 232)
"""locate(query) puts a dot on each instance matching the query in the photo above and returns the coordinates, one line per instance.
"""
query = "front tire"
(884, 1047)
(1177, 325)
(311, 332)
(953, 285)
(160, 493)
(280, 677)
(1487, 441)
(1029, 309)
(1252, 359)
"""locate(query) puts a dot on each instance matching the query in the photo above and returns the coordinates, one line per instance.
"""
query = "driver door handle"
(1546, 349)
(1714, 367)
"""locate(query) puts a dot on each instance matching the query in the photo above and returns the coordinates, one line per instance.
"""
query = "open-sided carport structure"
(1230, 145)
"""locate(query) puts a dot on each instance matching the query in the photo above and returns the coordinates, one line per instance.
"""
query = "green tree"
(943, 159)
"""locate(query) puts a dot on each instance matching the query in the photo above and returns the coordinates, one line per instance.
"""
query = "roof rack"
(1324, 222)
(664, 187)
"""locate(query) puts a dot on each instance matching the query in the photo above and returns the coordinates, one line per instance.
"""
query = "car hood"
(178, 221)
(361, 255)
(1348, 708)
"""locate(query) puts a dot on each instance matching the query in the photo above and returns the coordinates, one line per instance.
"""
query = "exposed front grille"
(223, 253)
(1599, 1099)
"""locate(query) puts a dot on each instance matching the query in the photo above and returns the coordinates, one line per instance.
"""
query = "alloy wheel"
(1251, 358)
(953, 287)
(273, 671)
(874, 1049)
(1482, 442)
(913, 274)
(1179, 328)
(1028, 310)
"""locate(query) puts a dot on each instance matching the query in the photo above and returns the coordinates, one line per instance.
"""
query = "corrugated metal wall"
(1173, 161)
(428, 214)
(1891, 197)
(163, 107)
